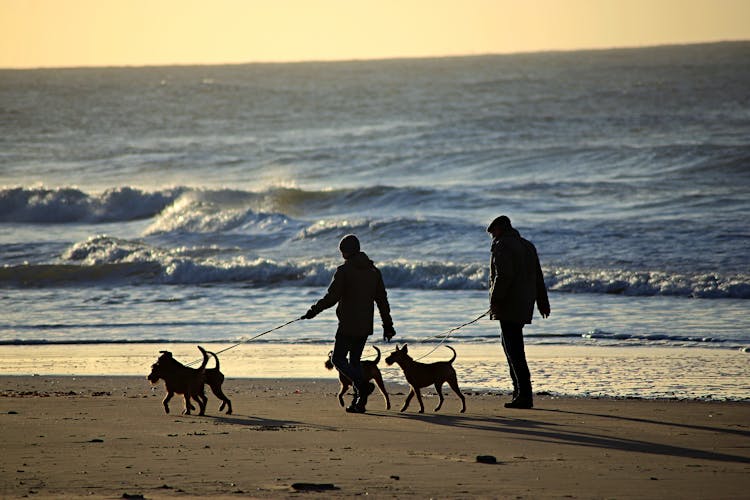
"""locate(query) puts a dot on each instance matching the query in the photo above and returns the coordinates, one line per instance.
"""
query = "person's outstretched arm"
(330, 299)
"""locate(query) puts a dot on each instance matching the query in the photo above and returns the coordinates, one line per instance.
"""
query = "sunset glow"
(51, 33)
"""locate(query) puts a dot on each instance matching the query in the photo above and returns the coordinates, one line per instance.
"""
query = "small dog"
(371, 372)
(181, 379)
(214, 378)
(420, 375)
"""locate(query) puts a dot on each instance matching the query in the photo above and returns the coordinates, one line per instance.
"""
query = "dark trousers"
(512, 335)
(352, 348)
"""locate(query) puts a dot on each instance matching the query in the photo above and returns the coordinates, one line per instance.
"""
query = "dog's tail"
(329, 363)
(376, 360)
(202, 367)
(215, 358)
(454, 354)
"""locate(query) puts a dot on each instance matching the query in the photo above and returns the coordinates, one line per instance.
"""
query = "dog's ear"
(405, 348)
(166, 354)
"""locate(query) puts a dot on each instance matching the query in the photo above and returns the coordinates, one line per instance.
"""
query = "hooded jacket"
(356, 285)
(516, 279)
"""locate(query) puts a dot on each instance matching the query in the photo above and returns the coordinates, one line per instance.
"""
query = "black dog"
(181, 379)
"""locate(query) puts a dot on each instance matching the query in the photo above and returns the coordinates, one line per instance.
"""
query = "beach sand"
(108, 437)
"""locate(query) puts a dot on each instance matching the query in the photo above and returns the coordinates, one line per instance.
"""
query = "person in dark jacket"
(516, 283)
(356, 285)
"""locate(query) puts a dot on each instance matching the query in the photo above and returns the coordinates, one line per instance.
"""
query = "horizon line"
(374, 59)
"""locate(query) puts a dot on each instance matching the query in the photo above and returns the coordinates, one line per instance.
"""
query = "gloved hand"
(494, 312)
(388, 333)
(310, 314)
(544, 311)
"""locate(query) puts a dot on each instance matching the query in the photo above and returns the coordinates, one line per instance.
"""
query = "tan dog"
(214, 378)
(180, 379)
(420, 375)
(370, 371)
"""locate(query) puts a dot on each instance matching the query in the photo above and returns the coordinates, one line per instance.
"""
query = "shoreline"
(292, 431)
(557, 370)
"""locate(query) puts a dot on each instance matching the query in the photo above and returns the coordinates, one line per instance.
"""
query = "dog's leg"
(439, 389)
(408, 400)
(344, 387)
(419, 398)
(225, 402)
(202, 401)
(166, 401)
(454, 385)
(187, 403)
(378, 378)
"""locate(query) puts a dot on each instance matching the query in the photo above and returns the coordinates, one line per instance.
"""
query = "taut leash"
(448, 333)
(248, 340)
(444, 336)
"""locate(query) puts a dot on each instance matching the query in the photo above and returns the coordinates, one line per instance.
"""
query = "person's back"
(518, 283)
(361, 287)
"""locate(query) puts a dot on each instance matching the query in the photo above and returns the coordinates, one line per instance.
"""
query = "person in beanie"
(516, 283)
(355, 286)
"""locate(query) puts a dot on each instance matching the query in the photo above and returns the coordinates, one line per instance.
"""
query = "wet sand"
(579, 371)
(108, 437)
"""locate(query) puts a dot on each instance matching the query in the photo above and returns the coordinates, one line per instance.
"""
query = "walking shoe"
(521, 403)
(355, 408)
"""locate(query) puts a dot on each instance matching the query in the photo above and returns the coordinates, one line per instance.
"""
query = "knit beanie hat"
(349, 244)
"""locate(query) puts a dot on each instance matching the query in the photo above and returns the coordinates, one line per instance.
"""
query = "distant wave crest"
(192, 214)
(649, 283)
(62, 205)
(192, 209)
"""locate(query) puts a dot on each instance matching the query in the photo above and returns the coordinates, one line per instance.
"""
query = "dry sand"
(108, 437)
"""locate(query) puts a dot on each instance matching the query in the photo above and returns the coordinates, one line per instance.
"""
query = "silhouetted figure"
(356, 285)
(516, 283)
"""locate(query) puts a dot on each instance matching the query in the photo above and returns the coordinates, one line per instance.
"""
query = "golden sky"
(62, 33)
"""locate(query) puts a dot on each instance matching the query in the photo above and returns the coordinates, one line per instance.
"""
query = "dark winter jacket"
(356, 286)
(516, 280)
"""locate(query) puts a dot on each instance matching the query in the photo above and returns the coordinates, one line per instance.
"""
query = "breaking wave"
(107, 259)
(70, 204)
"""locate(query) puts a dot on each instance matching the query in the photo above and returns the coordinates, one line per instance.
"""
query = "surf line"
(248, 340)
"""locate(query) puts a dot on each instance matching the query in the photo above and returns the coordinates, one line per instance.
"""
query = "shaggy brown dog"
(370, 371)
(180, 379)
(420, 375)
(214, 378)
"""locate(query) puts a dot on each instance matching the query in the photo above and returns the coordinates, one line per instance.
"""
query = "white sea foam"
(190, 266)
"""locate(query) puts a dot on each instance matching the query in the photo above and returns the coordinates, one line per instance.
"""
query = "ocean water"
(205, 204)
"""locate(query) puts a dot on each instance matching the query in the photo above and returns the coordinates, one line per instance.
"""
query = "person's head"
(499, 225)
(349, 245)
